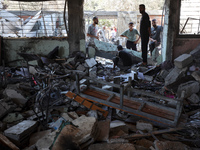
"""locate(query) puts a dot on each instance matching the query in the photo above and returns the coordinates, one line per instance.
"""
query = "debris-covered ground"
(42, 106)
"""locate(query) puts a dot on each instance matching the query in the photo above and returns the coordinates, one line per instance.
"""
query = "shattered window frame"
(189, 26)
(33, 19)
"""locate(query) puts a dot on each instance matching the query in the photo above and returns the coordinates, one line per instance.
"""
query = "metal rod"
(77, 84)
(121, 95)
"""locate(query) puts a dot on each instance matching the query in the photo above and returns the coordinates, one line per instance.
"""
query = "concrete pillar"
(171, 28)
(76, 25)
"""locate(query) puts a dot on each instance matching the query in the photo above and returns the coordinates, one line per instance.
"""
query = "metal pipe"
(121, 95)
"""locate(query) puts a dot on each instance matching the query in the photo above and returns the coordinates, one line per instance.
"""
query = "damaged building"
(56, 94)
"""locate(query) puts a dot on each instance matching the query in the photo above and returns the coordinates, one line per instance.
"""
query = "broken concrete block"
(92, 113)
(196, 75)
(21, 131)
(93, 74)
(91, 62)
(174, 75)
(194, 99)
(32, 70)
(148, 78)
(38, 135)
(45, 142)
(87, 125)
(116, 123)
(183, 61)
(15, 96)
(66, 117)
(69, 138)
(91, 52)
(7, 143)
(81, 68)
(6, 108)
(190, 88)
(144, 126)
(75, 104)
(13, 117)
(164, 145)
(73, 115)
(104, 129)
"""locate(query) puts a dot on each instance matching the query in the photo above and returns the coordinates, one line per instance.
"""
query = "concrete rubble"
(37, 114)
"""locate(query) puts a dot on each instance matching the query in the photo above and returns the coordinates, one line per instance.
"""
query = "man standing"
(130, 34)
(155, 36)
(101, 34)
(145, 32)
(92, 31)
(113, 34)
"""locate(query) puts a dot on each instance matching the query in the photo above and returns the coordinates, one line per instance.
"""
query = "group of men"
(133, 36)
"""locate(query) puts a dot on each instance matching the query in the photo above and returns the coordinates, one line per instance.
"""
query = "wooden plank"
(86, 103)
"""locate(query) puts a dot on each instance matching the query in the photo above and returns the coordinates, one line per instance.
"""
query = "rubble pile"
(37, 114)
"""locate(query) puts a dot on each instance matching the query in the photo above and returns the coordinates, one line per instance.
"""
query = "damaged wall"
(175, 44)
(33, 46)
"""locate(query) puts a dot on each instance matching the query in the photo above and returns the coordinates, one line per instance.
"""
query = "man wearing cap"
(131, 35)
(155, 36)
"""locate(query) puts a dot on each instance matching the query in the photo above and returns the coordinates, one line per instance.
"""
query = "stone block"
(189, 87)
(196, 75)
(183, 61)
(21, 131)
(144, 126)
(194, 99)
(174, 75)
(91, 62)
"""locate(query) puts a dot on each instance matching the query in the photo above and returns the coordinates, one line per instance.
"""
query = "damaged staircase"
(150, 110)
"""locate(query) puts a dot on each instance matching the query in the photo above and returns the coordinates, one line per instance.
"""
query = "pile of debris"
(81, 103)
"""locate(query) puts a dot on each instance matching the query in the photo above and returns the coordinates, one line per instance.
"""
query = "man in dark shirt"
(155, 36)
(145, 32)
(123, 59)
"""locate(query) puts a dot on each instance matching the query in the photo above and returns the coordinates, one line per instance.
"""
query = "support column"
(76, 25)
